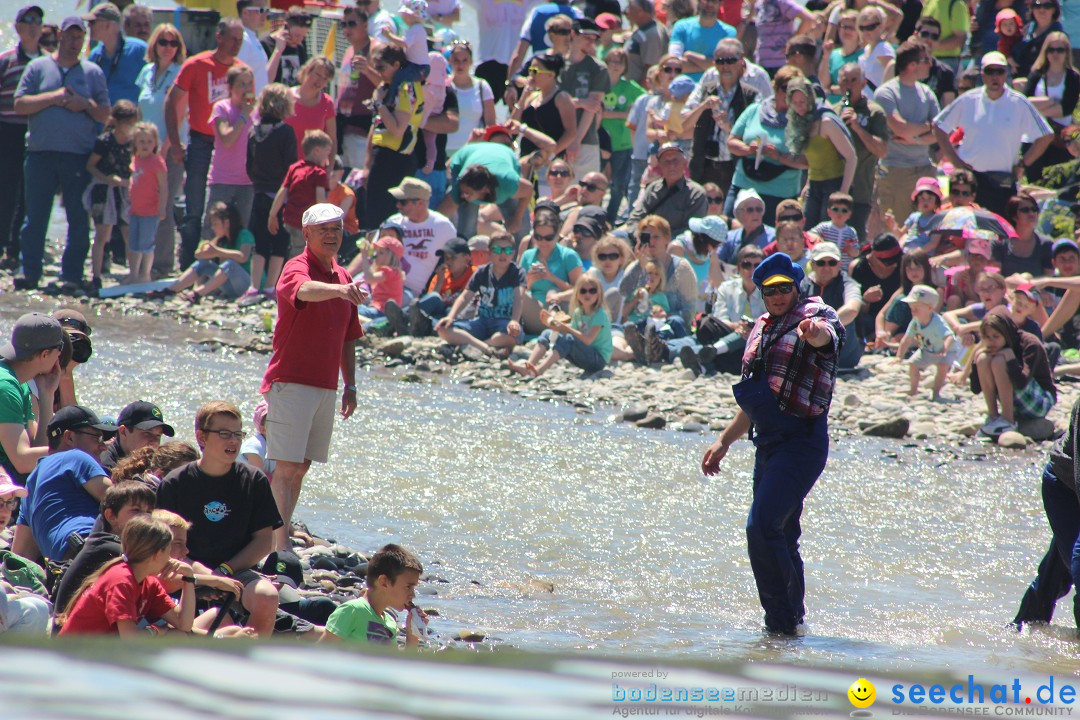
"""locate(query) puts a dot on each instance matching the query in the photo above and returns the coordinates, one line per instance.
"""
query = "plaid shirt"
(800, 375)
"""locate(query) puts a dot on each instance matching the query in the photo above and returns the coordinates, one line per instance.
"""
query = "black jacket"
(271, 149)
(744, 97)
(1069, 97)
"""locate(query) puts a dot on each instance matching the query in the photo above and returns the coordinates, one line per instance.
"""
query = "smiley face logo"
(862, 693)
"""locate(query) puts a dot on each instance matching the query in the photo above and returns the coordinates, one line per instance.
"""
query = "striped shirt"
(12, 63)
(801, 376)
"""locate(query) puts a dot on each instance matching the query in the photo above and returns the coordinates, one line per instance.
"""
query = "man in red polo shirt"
(315, 337)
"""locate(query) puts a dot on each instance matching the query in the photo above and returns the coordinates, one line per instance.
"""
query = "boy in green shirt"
(392, 577)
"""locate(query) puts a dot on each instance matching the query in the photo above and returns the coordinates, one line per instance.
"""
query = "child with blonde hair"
(149, 199)
(585, 340)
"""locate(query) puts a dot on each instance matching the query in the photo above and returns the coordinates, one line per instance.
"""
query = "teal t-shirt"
(838, 60)
(620, 99)
(15, 407)
(245, 238)
(600, 319)
(496, 157)
(749, 128)
(356, 621)
(654, 299)
(560, 263)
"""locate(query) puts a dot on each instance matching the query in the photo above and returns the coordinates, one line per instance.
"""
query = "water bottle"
(268, 321)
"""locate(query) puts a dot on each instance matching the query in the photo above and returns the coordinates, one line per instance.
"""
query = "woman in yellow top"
(394, 130)
(814, 130)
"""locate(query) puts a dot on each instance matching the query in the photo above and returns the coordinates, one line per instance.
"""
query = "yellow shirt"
(411, 96)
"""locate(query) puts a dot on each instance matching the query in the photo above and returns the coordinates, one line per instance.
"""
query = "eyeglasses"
(226, 435)
(748, 264)
(726, 60)
(929, 35)
(961, 193)
(1028, 210)
(994, 71)
(608, 256)
(168, 43)
(9, 503)
(716, 199)
(559, 31)
(1057, 50)
(839, 209)
(785, 289)
(99, 437)
(795, 217)
(502, 250)
(260, 10)
(670, 70)
(868, 28)
(534, 71)
(558, 173)
(590, 186)
(588, 290)
(544, 238)
(827, 263)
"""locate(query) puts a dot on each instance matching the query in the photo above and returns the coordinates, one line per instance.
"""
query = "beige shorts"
(296, 240)
(894, 187)
(299, 422)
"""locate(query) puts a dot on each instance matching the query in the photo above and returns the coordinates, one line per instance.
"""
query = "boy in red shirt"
(306, 183)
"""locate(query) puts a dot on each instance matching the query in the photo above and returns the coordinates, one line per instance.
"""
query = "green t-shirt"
(654, 299)
(245, 238)
(837, 60)
(620, 99)
(356, 621)
(496, 157)
(953, 16)
(599, 319)
(560, 263)
(15, 404)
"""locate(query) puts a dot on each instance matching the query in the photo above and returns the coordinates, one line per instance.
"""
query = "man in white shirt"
(996, 121)
(379, 20)
(499, 22)
(253, 16)
(424, 233)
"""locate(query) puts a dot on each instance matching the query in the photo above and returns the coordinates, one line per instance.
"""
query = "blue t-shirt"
(689, 36)
(123, 68)
(561, 261)
(495, 295)
(152, 92)
(58, 504)
(932, 337)
(533, 29)
(728, 249)
(55, 128)
(749, 128)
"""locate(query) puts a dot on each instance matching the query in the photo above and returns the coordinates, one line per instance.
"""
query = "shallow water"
(909, 565)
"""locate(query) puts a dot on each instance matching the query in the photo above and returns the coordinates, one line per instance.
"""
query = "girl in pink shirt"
(231, 119)
(384, 274)
(149, 198)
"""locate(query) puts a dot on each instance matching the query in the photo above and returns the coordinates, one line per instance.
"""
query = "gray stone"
(1012, 439)
(894, 428)
(852, 400)
(412, 377)
(690, 427)
(923, 429)
(1038, 429)
(635, 413)
(652, 421)
(395, 346)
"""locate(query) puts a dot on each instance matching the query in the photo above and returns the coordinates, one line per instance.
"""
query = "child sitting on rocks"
(392, 576)
(937, 344)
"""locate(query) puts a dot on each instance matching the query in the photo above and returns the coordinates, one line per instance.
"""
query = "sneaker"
(636, 343)
(995, 426)
(707, 356)
(395, 316)
(22, 282)
(689, 360)
(419, 324)
(656, 351)
(251, 296)
(270, 294)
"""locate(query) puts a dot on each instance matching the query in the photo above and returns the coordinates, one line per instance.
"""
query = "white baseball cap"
(922, 294)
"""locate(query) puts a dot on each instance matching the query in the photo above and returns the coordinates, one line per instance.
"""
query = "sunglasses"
(868, 28)
(544, 238)
(827, 263)
(406, 201)
(748, 264)
(1044, 5)
(502, 250)
(795, 217)
(350, 23)
(168, 43)
(590, 186)
(608, 256)
(1057, 50)
(961, 193)
(995, 71)
(1028, 210)
(726, 60)
(558, 173)
(839, 209)
(31, 20)
(785, 289)
(929, 35)
(754, 209)
(672, 70)
(534, 71)
(715, 199)
(559, 31)
(588, 290)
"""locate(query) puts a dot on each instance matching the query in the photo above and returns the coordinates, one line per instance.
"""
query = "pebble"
(652, 421)
(1012, 439)
(894, 428)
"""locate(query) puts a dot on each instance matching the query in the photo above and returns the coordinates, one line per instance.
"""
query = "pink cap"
(8, 489)
(1006, 14)
(926, 184)
(392, 244)
(607, 21)
(977, 242)
(1029, 291)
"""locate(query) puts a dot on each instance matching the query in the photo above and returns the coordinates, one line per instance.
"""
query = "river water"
(909, 565)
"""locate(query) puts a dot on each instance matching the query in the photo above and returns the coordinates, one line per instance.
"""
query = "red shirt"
(309, 336)
(300, 182)
(306, 118)
(202, 77)
(116, 596)
(447, 286)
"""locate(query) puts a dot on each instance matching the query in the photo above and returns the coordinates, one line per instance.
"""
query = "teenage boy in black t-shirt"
(231, 508)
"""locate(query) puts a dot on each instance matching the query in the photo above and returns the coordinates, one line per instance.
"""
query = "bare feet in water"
(526, 368)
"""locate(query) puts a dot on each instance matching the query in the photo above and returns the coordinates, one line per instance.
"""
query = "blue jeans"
(637, 171)
(852, 349)
(437, 180)
(482, 328)
(620, 178)
(729, 362)
(1054, 580)
(43, 171)
(196, 167)
(433, 306)
(578, 353)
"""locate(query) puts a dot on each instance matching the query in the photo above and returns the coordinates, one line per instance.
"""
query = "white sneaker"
(996, 426)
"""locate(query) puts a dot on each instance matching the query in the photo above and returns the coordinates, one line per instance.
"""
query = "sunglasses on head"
(534, 71)
(77, 325)
(558, 173)
(608, 256)
(502, 250)
(784, 289)
(726, 60)
(839, 209)
(591, 290)
(1044, 5)
(831, 262)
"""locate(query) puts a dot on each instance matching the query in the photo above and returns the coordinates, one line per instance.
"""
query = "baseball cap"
(33, 332)
(670, 146)
(392, 244)
(394, 227)
(548, 205)
(479, 242)
(286, 564)
(977, 242)
(588, 226)
(73, 321)
(27, 9)
(681, 87)
(8, 488)
(492, 130)
(825, 250)
(926, 184)
(747, 194)
(322, 213)
(922, 294)
(143, 415)
(1029, 291)
(711, 225)
(103, 11)
(778, 269)
(72, 21)
(456, 246)
(417, 8)
(411, 189)
(993, 59)
(76, 416)
(1063, 245)
(585, 26)
(607, 21)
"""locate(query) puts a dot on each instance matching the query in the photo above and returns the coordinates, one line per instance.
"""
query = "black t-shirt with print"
(224, 511)
(292, 59)
(496, 295)
(115, 158)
